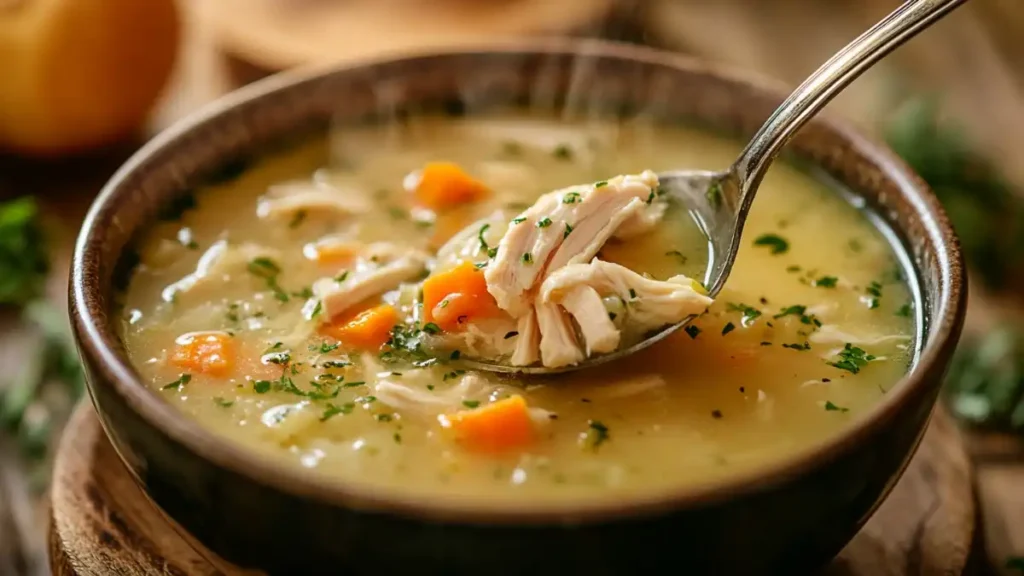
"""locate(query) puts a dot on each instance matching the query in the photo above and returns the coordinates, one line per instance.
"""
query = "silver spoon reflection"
(720, 201)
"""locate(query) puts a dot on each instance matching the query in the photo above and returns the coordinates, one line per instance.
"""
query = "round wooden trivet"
(103, 524)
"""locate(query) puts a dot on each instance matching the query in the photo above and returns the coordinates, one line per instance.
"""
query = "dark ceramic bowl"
(787, 518)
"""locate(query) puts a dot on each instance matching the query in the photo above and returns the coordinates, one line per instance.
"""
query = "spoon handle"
(819, 89)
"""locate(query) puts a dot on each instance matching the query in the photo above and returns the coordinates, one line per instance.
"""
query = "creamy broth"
(754, 380)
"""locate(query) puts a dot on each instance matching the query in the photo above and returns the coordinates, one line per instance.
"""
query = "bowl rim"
(95, 339)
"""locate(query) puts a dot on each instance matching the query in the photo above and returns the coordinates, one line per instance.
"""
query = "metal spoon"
(721, 200)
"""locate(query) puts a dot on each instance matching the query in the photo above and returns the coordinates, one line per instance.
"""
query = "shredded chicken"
(830, 334)
(337, 295)
(220, 259)
(430, 403)
(650, 303)
(563, 227)
(284, 200)
(546, 276)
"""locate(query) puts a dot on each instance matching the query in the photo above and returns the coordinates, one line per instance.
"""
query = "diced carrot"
(369, 329)
(497, 427)
(331, 253)
(445, 184)
(455, 296)
(210, 353)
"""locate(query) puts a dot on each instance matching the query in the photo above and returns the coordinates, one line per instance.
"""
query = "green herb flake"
(776, 243)
(223, 403)
(714, 194)
(595, 435)
(179, 383)
(600, 184)
(826, 282)
(544, 222)
(483, 241)
(455, 355)
(568, 230)
(471, 403)
(692, 330)
(527, 258)
(562, 152)
(431, 328)
(679, 256)
(261, 386)
(830, 407)
(729, 327)
(341, 277)
(571, 198)
(799, 347)
(333, 410)
(750, 314)
(518, 220)
(797, 310)
(852, 359)
(906, 311)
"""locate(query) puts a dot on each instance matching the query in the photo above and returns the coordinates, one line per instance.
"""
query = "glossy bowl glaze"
(787, 518)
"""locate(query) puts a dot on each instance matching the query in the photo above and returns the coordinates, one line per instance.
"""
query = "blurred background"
(84, 82)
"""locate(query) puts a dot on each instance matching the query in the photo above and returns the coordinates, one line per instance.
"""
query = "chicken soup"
(318, 308)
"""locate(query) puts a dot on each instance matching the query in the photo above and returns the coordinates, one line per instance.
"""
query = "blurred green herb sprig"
(51, 363)
(985, 385)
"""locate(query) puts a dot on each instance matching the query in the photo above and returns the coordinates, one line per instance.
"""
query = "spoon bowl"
(720, 201)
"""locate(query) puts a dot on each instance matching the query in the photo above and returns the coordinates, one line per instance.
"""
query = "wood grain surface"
(103, 524)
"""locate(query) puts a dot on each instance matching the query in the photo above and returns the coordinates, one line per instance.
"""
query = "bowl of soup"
(257, 293)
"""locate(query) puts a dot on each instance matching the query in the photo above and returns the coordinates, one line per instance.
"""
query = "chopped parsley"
(677, 255)
(179, 383)
(830, 407)
(826, 282)
(906, 311)
(455, 355)
(326, 347)
(527, 258)
(544, 222)
(333, 410)
(261, 386)
(776, 243)
(471, 403)
(268, 270)
(431, 328)
(563, 152)
(874, 290)
(518, 220)
(729, 327)
(223, 403)
(571, 198)
(335, 364)
(852, 359)
(597, 433)
(749, 312)
(568, 230)
(692, 330)
(714, 194)
(797, 310)
(600, 184)
(483, 241)
(317, 309)
(801, 347)
(341, 277)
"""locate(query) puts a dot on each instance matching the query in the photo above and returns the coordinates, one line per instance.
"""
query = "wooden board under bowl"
(103, 523)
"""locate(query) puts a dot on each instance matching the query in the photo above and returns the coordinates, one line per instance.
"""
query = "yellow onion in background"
(79, 74)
